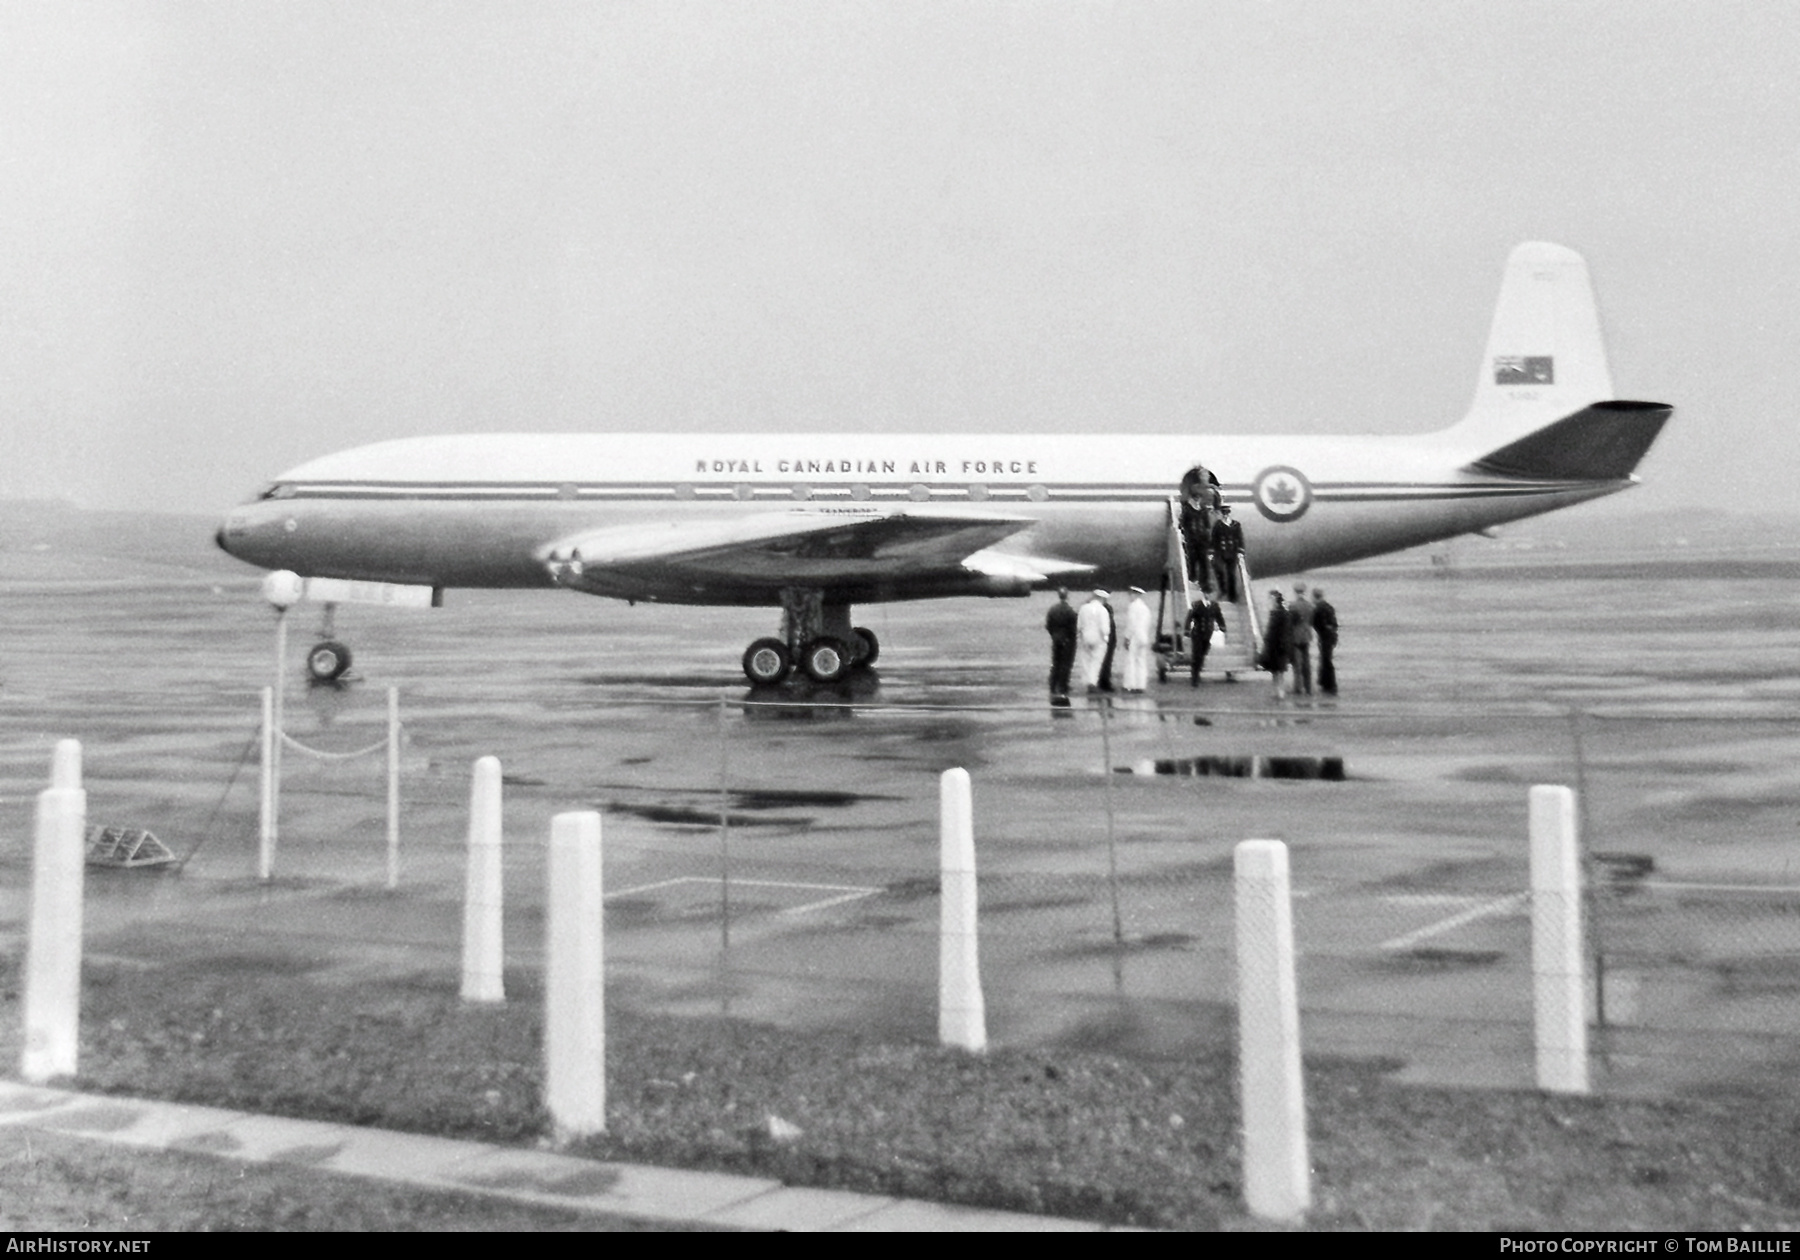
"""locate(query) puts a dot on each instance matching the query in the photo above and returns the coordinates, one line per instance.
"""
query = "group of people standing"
(1212, 540)
(1213, 544)
(1093, 636)
(1293, 629)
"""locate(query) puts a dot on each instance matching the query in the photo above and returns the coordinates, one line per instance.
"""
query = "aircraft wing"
(801, 547)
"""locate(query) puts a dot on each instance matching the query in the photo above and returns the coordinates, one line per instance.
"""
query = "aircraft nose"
(219, 539)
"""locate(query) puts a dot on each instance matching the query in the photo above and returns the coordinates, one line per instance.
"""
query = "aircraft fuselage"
(483, 510)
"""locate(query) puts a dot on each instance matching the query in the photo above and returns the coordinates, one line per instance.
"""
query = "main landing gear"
(816, 636)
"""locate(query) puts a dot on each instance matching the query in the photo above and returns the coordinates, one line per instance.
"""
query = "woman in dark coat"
(1278, 643)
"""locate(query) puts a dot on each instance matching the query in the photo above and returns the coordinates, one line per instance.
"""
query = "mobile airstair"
(1243, 633)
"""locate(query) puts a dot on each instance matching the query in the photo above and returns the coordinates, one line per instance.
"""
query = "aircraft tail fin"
(1545, 357)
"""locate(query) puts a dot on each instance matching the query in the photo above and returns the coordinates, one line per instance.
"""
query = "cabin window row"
(917, 492)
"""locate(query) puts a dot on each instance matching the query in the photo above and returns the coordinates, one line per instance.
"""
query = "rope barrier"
(290, 742)
(274, 739)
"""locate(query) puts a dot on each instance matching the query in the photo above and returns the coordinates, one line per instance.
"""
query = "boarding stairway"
(1243, 632)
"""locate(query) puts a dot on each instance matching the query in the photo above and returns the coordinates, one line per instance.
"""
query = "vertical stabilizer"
(1545, 358)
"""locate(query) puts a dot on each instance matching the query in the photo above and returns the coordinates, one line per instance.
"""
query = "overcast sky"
(234, 235)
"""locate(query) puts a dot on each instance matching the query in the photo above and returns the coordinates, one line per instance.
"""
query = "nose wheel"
(327, 661)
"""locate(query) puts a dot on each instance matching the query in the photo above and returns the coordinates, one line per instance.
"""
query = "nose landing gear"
(329, 659)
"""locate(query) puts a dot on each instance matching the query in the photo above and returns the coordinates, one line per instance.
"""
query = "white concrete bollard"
(1277, 1179)
(1558, 965)
(278, 725)
(393, 800)
(575, 981)
(962, 1015)
(65, 765)
(483, 956)
(52, 1000)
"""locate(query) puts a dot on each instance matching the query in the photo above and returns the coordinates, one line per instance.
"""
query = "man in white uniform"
(1140, 632)
(1093, 628)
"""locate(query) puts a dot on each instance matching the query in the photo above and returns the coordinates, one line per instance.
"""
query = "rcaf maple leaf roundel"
(1283, 494)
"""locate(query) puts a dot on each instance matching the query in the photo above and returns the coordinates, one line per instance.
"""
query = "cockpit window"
(276, 490)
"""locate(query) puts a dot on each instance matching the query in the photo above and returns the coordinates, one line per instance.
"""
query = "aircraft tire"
(766, 662)
(825, 659)
(871, 648)
(327, 661)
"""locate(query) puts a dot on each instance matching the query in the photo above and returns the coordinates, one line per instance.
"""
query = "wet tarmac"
(772, 852)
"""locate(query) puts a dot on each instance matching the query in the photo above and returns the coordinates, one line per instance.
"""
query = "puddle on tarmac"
(1624, 871)
(1151, 942)
(1325, 769)
(765, 711)
(777, 798)
(1430, 960)
(744, 807)
(700, 816)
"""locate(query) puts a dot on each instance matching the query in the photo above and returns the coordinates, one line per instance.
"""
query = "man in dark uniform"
(1278, 644)
(1060, 623)
(1326, 628)
(1227, 546)
(1202, 619)
(1300, 618)
(1196, 533)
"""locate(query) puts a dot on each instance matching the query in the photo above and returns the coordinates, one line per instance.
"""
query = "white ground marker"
(483, 954)
(53, 952)
(575, 981)
(1277, 1180)
(1559, 988)
(65, 764)
(393, 801)
(962, 1015)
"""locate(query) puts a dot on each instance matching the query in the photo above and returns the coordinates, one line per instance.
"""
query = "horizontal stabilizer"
(1602, 442)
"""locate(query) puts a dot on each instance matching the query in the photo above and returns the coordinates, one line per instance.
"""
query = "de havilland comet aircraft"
(815, 523)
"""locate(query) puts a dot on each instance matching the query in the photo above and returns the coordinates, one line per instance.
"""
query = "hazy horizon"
(245, 236)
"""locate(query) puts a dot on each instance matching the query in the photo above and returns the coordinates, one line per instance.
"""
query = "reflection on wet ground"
(775, 798)
(740, 807)
(1623, 870)
(1330, 769)
(700, 816)
(1433, 960)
